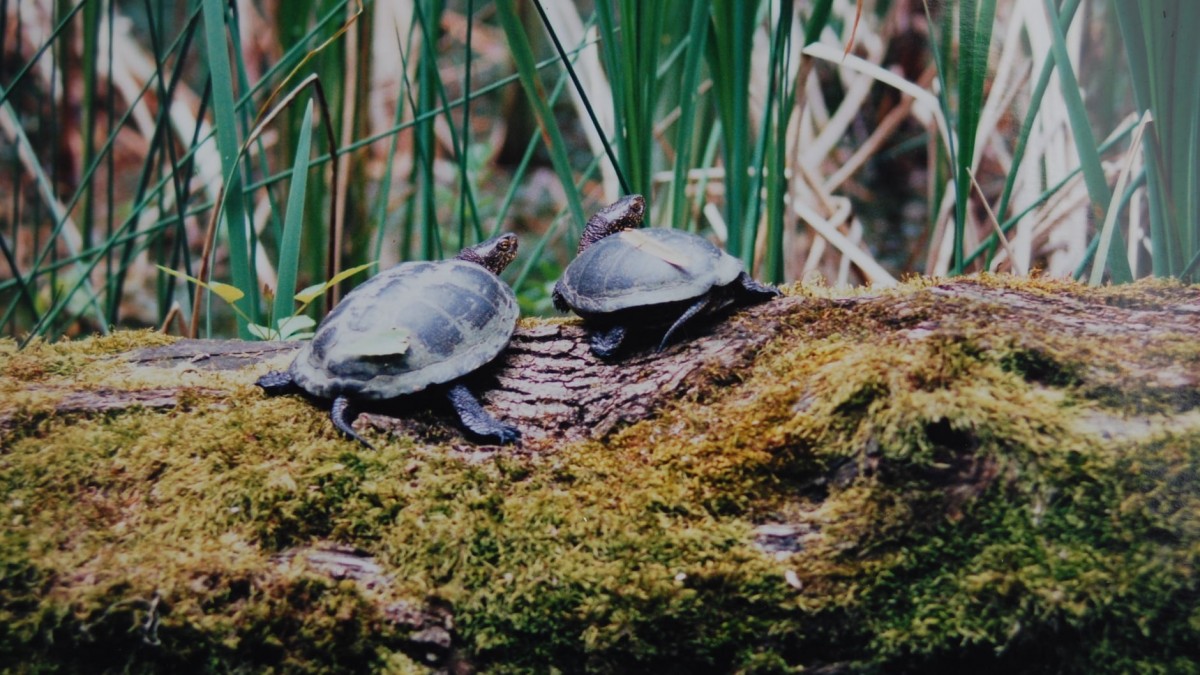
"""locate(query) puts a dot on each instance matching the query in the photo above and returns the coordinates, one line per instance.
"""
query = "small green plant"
(295, 326)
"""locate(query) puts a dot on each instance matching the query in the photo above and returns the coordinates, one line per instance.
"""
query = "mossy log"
(987, 473)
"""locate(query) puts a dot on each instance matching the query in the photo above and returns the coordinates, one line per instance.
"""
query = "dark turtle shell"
(415, 325)
(638, 268)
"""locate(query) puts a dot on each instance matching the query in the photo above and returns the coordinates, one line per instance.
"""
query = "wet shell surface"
(412, 326)
(638, 268)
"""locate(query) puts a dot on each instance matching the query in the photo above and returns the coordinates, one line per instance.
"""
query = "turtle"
(415, 326)
(624, 277)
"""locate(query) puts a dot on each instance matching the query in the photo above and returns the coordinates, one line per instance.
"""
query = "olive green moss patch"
(949, 500)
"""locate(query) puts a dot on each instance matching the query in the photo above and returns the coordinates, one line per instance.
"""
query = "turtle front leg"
(477, 420)
(343, 418)
(754, 291)
(688, 313)
(607, 341)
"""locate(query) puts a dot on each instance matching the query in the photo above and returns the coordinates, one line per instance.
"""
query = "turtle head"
(494, 254)
(624, 214)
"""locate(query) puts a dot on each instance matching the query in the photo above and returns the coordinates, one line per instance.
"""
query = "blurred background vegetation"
(263, 147)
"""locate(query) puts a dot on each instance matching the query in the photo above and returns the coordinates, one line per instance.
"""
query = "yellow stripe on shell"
(378, 341)
(643, 241)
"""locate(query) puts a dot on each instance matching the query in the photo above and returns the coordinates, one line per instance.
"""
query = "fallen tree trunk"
(978, 473)
(552, 387)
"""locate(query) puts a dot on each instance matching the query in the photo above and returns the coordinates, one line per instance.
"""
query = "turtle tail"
(277, 382)
(343, 418)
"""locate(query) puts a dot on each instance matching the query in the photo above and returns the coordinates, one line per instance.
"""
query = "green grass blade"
(522, 53)
(1035, 104)
(161, 151)
(399, 127)
(410, 205)
(587, 103)
(464, 168)
(298, 52)
(1144, 37)
(522, 276)
(1049, 192)
(650, 20)
(729, 60)
(1180, 104)
(52, 40)
(1094, 245)
(459, 145)
(941, 48)
(90, 108)
(1085, 143)
(966, 121)
(228, 147)
(621, 28)
(427, 76)
(750, 221)
(180, 170)
(1162, 64)
(293, 224)
(975, 37)
(1114, 208)
(24, 292)
(62, 218)
(518, 174)
(86, 262)
(697, 37)
(821, 11)
(380, 211)
(245, 160)
(777, 157)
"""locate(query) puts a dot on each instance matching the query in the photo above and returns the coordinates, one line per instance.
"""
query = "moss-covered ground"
(957, 508)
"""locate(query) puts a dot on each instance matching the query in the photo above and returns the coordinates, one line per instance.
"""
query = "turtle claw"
(756, 290)
(605, 343)
(277, 382)
(507, 434)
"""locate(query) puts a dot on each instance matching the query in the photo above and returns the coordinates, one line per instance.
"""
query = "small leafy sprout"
(295, 327)
(298, 326)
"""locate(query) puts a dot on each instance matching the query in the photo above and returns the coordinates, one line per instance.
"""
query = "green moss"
(41, 360)
(959, 512)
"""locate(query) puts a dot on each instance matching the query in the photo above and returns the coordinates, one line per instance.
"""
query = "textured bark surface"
(547, 382)
(553, 388)
(102, 400)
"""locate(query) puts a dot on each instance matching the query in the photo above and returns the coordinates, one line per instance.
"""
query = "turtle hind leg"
(477, 420)
(688, 314)
(754, 291)
(277, 382)
(342, 418)
(606, 342)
